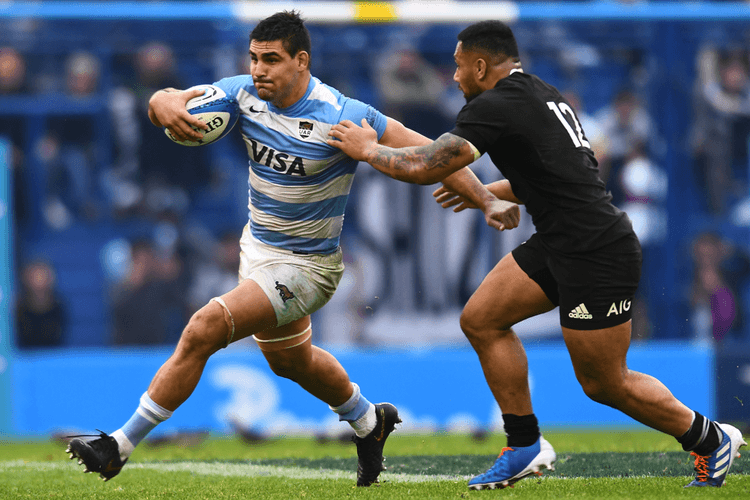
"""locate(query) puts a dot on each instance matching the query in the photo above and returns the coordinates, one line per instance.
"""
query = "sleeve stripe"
(474, 150)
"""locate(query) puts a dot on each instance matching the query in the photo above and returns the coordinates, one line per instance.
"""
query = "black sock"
(703, 437)
(521, 431)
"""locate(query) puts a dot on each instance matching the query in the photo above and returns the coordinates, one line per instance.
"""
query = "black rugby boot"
(100, 455)
(370, 447)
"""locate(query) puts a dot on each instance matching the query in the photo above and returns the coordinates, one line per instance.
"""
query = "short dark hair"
(286, 26)
(493, 38)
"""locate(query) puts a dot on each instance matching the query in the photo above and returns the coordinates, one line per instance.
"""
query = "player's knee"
(468, 326)
(205, 333)
(287, 364)
(599, 389)
(592, 388)
(471, 324)
(477, 327)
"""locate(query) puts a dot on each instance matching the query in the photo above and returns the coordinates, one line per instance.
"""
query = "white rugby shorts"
(296, 284)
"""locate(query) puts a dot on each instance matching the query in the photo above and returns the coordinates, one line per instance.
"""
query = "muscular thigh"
(248, 310)
(599, 354)
(507, 296)
(253, 314)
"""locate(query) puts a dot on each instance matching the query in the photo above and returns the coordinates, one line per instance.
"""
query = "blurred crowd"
(170, 216)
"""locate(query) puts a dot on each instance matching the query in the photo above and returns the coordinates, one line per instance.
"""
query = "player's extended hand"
(502, 215)
(353, 140)
(168, 109)
(447, 198)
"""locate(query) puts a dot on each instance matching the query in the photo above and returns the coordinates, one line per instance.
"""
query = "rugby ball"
(214, 107)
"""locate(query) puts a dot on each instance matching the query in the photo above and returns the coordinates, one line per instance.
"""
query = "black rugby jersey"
(535, 139)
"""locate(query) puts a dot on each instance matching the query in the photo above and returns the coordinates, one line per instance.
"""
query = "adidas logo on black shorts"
(580, 312)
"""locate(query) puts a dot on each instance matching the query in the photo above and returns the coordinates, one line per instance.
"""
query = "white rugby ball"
(214, 107)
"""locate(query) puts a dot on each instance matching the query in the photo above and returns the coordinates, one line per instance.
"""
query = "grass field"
(614, 464)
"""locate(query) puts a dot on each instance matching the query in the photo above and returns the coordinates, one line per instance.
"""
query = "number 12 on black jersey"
(576, 136)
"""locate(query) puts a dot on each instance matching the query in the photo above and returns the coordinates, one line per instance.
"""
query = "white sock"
(123, 444)
(366, 423)
(146, 417)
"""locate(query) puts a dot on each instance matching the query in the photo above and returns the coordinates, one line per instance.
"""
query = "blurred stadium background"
(111, 236)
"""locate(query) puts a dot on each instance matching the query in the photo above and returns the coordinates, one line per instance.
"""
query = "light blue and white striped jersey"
(298, 185)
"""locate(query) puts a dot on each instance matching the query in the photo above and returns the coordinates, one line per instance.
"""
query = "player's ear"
(480, 67)
(303, 60)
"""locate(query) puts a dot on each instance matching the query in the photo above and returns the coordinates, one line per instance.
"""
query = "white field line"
(249, 470)
(235, 470)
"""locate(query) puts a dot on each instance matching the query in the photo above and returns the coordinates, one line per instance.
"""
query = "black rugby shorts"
(593, 290)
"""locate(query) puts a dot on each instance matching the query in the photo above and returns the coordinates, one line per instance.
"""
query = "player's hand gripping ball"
(217, 109)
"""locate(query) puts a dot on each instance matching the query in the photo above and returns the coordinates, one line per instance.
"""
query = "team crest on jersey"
(305, 129)
(284, 292)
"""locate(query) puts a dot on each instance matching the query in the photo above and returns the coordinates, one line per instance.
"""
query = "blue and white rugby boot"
(514, 464)
(711, 470)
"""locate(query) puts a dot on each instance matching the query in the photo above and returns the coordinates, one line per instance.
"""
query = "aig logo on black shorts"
(620, 308)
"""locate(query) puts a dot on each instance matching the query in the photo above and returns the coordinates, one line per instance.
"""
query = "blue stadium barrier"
(434, 390)
(6, 291)
(733, 383)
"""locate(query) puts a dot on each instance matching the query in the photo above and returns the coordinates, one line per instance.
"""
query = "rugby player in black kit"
(584, 257)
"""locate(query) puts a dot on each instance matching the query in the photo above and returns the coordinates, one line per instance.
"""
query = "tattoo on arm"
(445, 149)
(437, 156)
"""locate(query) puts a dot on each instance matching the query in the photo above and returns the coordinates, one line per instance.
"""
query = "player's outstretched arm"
(396, 135)
(425, 165)
(166, 108)
(419, 165)
(463, 182)
(500, 210)
(448, 197)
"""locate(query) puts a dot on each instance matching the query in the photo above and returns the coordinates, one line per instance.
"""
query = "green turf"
(192, 447)
(606, 464)
(612, 464)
